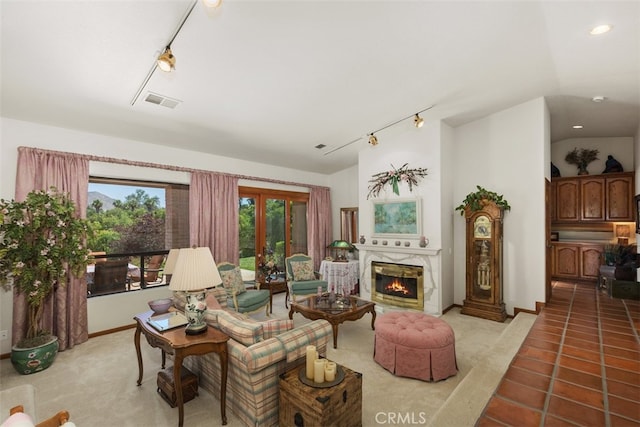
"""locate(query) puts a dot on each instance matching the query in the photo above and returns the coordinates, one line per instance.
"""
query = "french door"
(273, 224)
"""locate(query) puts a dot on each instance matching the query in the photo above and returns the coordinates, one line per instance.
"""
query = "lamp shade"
(340, 244)
(170, 264)
(195, 269)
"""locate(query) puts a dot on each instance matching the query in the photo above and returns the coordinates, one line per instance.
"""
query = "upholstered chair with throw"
(301, 278)
(239, 298)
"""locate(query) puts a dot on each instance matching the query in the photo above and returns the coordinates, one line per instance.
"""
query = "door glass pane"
(247, 229)
(275, 231)
(298, 215)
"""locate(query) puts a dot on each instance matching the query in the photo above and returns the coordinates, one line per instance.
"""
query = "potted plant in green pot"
(41, 241)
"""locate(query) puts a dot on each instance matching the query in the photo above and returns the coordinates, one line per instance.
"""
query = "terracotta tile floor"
(579, 365)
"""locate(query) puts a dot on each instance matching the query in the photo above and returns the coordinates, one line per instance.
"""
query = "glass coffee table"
(333, 308)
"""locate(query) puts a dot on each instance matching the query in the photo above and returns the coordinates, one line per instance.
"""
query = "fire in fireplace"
(400, 285)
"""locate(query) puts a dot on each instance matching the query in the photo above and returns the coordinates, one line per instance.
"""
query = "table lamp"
(195, 271)
(340, 247)
(170, 264)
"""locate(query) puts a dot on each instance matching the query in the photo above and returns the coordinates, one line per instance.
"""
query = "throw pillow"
(232, 281)
(302, 270)
(246, 332)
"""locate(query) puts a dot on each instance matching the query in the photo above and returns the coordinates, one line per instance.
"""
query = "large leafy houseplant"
(476, 199)
(41, 239)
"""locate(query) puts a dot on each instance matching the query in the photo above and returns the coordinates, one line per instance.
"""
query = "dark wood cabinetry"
(620, 191)
(567, 200)
(577, 261)
(593, 198)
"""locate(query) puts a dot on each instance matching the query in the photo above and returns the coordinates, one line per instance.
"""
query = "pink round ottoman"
(415, 345)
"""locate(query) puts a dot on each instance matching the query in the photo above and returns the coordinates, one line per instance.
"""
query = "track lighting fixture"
(373, 140)
(166, 61)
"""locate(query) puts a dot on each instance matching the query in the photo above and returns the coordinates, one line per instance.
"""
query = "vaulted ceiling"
(269, 80)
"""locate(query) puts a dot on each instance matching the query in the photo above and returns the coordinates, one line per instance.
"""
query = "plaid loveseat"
(259, 351)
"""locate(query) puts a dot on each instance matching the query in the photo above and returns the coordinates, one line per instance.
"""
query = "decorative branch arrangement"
(394, 177)
(581, 158)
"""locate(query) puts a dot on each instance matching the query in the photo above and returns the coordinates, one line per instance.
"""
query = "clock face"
(482, 227)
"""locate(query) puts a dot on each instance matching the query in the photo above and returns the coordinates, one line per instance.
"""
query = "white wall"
(505, 153)
(118, 310)
(344, 194)
(419, 148)
(448, 215)
(399, 145)
(621, 148)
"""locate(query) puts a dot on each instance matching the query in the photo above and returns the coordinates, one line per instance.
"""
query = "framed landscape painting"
(397, 218)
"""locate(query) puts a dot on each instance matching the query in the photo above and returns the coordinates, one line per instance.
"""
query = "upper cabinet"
(594, 198)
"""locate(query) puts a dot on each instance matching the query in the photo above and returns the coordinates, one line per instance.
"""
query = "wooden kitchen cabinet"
(576, 260)
(590, 261)
(566, 261)
(567, 200)
(594, 198)
(620, 192)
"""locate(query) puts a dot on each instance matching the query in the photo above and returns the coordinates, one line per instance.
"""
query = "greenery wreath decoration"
(394, 177)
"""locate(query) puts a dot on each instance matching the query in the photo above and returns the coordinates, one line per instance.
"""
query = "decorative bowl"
(160, 306)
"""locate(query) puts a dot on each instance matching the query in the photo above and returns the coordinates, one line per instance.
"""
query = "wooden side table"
(181, 345)
(275, 286)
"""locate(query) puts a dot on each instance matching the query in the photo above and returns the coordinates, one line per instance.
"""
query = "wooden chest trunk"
(305, 406)
(167, 390)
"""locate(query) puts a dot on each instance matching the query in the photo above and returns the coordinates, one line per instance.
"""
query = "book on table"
(164, 322)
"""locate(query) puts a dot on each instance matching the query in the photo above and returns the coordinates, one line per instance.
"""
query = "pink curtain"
(319, 233)
(65, 314)
(213, 214)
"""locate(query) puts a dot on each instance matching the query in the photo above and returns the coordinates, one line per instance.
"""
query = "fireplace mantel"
(399, 249)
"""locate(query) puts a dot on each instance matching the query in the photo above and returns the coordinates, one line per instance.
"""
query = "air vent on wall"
(165, 101)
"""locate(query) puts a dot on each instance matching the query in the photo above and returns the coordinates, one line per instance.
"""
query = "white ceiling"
(269, 80)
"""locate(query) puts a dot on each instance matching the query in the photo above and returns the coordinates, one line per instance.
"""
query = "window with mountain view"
(135, 220)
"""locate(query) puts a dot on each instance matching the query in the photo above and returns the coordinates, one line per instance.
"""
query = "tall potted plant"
(41, 240)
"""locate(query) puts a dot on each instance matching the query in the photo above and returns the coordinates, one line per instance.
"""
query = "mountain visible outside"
(126, 218)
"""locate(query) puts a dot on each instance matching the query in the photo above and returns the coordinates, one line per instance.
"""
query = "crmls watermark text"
(401, 418)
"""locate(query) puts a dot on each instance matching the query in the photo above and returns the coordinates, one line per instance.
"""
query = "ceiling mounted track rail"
(154, 67)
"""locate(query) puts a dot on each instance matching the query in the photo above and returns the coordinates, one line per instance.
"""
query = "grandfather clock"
(484, 263)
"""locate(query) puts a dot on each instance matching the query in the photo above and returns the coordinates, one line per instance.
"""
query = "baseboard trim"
(93, 335)
(539, 307)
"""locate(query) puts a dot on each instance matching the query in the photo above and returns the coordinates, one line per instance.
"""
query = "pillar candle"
(330, 371)
(311, 357)
(318, 374)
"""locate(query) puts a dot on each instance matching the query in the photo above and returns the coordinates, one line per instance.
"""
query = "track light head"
(166, 61)
(418, 121)
(373, 140)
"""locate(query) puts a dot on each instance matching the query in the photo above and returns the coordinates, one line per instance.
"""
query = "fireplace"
(400, 285)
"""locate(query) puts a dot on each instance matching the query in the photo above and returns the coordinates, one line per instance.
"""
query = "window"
(272, 223)
(137, 220)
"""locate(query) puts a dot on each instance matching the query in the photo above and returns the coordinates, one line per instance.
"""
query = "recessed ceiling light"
(577, 126)
(598, 98)
(600, 29)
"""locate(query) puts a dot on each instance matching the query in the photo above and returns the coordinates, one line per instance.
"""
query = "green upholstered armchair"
(239, 298)
(301, 278)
